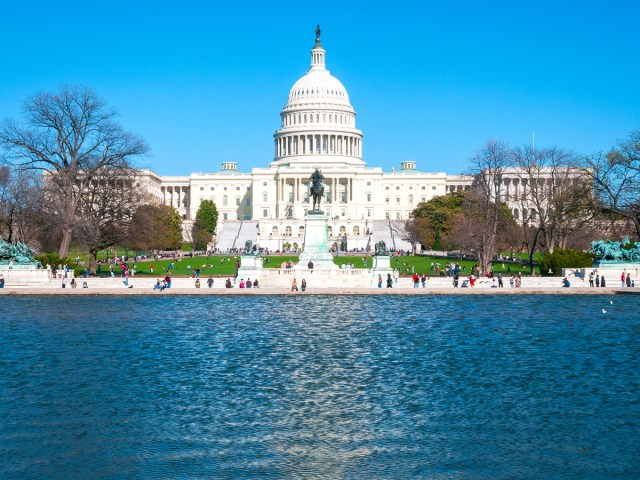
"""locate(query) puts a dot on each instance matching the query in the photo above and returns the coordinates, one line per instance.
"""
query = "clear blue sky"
(204, 82)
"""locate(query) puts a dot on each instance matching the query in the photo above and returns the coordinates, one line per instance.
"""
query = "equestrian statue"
(317, 189)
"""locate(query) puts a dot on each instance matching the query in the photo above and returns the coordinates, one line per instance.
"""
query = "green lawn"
(217, 265)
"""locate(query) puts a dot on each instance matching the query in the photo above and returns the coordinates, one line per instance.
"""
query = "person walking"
(389, 281)
(303, 285)
(379, 281)
(294, 285)
(210, 281)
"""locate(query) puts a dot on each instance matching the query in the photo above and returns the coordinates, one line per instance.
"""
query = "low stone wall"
(25, 276)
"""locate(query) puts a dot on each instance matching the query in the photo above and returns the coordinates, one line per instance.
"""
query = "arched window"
(225, 201)
(301, 231)
(516, 214)
(287, 231)
(356, 231)
(343, 231)
(274, 231)
(410, 199)
(329, 231)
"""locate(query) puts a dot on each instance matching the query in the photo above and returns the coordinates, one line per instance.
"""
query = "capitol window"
(387, 187)
(265, 213)
(386, 200)
(225, 201)
(212, 189)
(424, 188)
(433, 188)
(237, 188)
(368, 197)
(201, 189)
(265, 197)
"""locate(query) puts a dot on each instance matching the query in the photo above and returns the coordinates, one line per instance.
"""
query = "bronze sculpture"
(316, 189)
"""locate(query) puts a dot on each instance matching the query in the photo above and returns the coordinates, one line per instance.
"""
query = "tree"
(419, 230)
(616, 180)
(488, 167)
(432, 220)
(204, 226)
(554, 198)
(72, 137)
(469, 228)
(106, 210)
(21, 199)
(155, 227)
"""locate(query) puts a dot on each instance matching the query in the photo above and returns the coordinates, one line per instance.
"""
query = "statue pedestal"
(611, 271)
(25, 275)
(382, 263)
(316, 243)
(250, 267)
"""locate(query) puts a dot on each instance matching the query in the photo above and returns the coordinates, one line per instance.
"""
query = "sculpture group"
(610, 252)
(18, 253)
(381, 248)
(250, 248)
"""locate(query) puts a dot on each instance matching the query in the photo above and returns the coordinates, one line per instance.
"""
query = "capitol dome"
(318, 123)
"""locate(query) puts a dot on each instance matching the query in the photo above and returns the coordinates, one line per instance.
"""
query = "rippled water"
(435, 387)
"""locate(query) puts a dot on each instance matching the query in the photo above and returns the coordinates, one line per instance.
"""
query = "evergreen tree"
(205, 224)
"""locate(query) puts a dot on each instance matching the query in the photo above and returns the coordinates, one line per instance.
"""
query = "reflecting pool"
(442, 387)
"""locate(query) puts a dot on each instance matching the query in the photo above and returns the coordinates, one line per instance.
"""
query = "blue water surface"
(437, 387)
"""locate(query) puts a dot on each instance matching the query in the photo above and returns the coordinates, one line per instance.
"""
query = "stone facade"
(318, 130)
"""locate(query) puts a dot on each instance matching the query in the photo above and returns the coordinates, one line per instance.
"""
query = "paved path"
(319, 291)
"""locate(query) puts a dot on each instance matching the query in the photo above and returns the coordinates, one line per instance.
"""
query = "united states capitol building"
(268, 204)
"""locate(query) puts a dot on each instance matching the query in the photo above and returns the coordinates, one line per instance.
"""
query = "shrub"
(564, 258)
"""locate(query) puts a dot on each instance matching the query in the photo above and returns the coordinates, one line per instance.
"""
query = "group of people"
(596, 280)
(294, 285)
(248, 283)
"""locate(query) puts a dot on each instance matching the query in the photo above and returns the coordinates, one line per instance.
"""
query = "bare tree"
(616, 180)
(21, 199)
(553, 195)
(106, 210)
(469, 228)
(488, 167)
(73, 138)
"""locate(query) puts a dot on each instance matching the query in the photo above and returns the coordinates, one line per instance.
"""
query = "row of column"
(318, 144)
(333, 184)
(174, 196)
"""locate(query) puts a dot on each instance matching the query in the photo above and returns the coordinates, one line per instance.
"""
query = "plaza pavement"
(186, 286)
